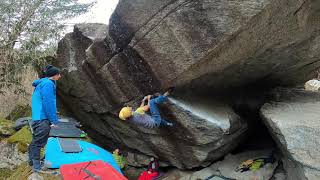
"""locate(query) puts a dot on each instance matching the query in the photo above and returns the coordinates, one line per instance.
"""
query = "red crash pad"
(146, 176)
(93, 170)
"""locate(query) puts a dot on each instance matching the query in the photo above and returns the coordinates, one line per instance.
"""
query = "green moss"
(5, 173)
(19, 111)
(22, 147)
(24, 171)
(23, 138)
(6, 127)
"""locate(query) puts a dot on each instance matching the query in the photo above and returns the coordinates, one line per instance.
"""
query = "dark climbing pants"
(41, 130)
(155, 112)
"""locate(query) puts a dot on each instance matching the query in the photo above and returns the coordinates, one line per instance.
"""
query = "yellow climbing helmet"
(125, 113)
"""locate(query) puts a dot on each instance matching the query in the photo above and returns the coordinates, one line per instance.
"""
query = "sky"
(99, 13)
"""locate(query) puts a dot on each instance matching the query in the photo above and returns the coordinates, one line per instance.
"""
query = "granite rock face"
(221, 43)
(197, 46)
(94, 94)
(293, 120)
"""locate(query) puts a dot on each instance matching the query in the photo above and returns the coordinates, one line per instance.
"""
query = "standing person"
(152, 172)
(44, 114)
(153, 166)
(140, 117)
(119, 158)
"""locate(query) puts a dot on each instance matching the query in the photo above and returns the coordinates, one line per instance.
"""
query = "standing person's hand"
(53, 126)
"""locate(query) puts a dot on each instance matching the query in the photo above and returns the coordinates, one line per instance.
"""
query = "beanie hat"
(125, 113)
(51, 71)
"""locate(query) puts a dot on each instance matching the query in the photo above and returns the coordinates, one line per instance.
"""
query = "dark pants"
(155, 112)
(41, 130)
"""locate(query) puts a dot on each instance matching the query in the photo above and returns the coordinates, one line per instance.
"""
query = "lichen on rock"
(5, 173)
(6, 127)
(19, 111)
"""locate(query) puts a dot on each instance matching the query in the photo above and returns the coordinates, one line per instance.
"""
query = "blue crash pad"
(55, 157)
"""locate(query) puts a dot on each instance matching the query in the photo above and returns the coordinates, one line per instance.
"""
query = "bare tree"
(30, 29)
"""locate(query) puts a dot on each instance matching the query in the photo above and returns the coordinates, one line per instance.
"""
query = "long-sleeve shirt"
(141, 118)
(44, 104)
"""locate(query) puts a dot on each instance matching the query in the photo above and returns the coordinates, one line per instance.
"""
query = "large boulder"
(293, 120)
(94, 96)
(221, 43)
(198, 46)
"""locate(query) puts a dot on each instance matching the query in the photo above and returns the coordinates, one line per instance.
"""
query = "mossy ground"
(23, 138)
(5, 173)
(24, 171)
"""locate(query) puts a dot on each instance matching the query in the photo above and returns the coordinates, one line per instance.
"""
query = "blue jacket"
(44, 104)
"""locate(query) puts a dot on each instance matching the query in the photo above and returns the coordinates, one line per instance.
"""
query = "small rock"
(279, 176)
(10, 157)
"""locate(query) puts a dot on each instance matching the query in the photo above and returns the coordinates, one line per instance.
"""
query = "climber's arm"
(146, 107)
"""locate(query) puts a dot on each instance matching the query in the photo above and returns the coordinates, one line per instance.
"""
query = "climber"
(44, 114)
(119, 158)
(140, 117)
(153, 166)
(152, 172)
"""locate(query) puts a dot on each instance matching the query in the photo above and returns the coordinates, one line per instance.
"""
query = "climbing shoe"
(169, 91)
